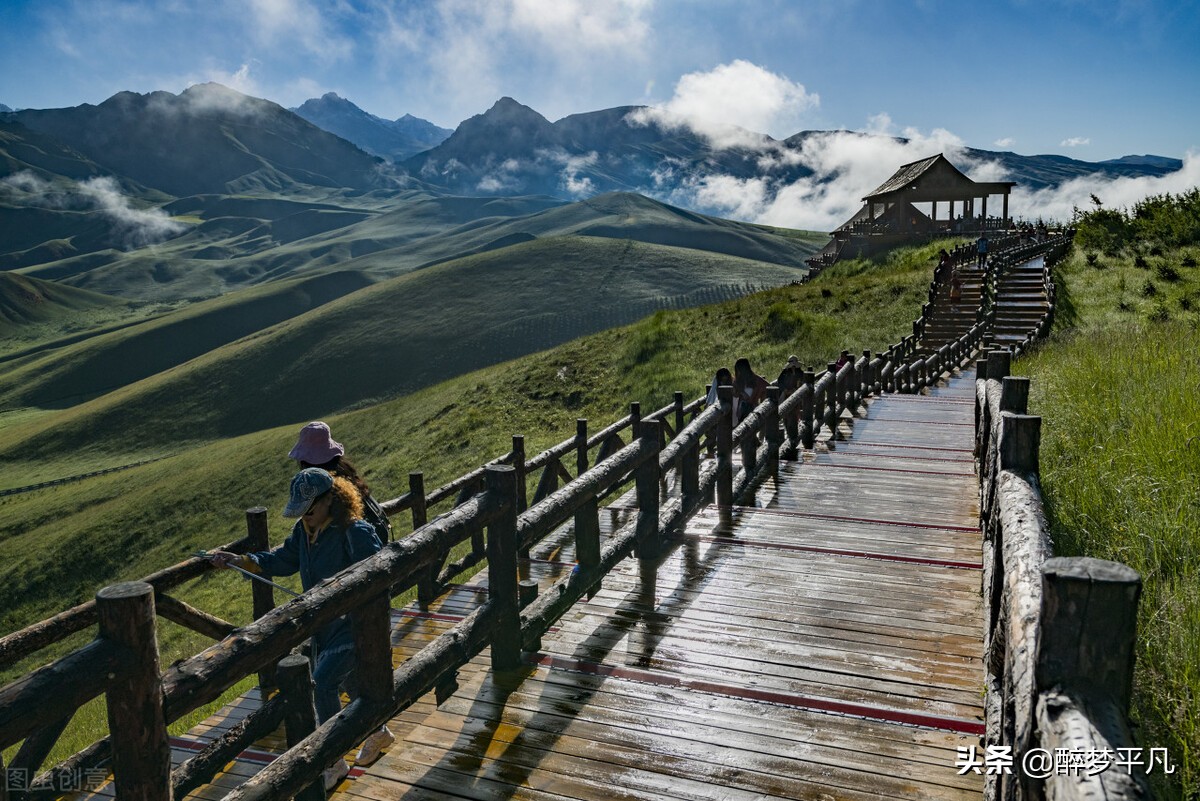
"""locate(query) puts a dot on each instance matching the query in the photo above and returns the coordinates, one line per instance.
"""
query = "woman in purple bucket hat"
(316, 447)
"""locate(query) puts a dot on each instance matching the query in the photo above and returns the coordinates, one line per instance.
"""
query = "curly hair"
(347, 506)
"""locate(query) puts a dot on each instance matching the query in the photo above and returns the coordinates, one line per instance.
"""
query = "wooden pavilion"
(909, 206)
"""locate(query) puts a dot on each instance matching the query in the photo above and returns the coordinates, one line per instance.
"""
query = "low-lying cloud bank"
(844, 166)
(132, 227)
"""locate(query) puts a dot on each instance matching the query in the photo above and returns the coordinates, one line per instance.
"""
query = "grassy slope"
(28, 303)
(60, 377)
(373, 343)
(1117, 387)
(235, 242)
(58, 545)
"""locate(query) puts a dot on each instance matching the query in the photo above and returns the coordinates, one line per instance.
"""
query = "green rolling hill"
(259, 358)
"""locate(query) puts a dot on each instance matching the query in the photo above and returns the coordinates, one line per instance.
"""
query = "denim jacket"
(336, 548)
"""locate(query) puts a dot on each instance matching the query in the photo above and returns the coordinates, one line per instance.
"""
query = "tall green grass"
(1118, 388)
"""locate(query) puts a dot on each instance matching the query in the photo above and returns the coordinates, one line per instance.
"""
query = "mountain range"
(394, 140)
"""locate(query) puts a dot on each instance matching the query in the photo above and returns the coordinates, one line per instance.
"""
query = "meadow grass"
(1117, 385)
(59, 545)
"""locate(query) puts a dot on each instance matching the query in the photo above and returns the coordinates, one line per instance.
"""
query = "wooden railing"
(1060, 632)
(664, 451)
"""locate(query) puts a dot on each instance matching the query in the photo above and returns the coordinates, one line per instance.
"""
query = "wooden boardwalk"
(824, 644)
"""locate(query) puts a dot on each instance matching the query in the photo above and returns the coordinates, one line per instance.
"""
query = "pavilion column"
(1006, 210)
(985, 197)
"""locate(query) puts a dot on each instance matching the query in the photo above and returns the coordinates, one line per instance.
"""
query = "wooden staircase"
(947, 321)
(1021, 302)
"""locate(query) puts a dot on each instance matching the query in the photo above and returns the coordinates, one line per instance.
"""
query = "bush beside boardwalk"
(1117, 387)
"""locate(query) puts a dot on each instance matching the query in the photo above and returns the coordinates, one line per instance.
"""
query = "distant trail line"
(68, 479)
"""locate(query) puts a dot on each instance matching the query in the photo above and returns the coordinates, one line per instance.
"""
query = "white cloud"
(1006, 142)
(572, 182)
(846, 166)
(569, 25)
(1058, 203)
(759, 100)
(299, 23)
(473, 52)
(134, 227)
(1075, 141)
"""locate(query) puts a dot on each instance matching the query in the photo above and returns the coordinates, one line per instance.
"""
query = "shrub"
(1140, 262)
(783, 322)
(1167, 273)
(1189, 261)
(1159, 314)
(1093, 260)
(1149, 290)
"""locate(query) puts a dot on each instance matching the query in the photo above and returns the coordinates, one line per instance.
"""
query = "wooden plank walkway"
(825, 644)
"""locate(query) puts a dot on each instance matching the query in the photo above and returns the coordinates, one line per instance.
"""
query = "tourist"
(316, 447)
(981, 251)
(943, 268)
(328, 536)
(790, 377)
(749, 389)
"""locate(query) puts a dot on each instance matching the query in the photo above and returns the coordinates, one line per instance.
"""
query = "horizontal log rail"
(1059, 632)
(665, 449)
(20, 644)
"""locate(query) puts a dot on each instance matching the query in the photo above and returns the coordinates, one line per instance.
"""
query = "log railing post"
(646, 478)
(141, 750)
(262, 596)
(502, 570)
(427, 583)
(774, 434)
(1020, 437)
(808, 431)
(689, 475)
(300, 715)
(791, 428)
(1014, 395)
(587, 538)
(867, 379)
(680, 417)
(518, 464)
(581, 446)
(833, 405)
(999, 364)
(372, 625)
(725, 454)
(1089, 627)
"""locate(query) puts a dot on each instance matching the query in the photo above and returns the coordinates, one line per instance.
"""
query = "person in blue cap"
(329, 536)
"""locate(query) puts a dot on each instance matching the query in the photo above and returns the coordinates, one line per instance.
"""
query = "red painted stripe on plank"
(909, 447)
(249, 755)
(887, 469)
(874, 521)
(840, 452)
(896, 396)
(867, 711)
(885, 557)
(915, 422)
(431, 615)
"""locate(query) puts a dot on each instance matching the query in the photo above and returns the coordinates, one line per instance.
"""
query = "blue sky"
(1092, 79)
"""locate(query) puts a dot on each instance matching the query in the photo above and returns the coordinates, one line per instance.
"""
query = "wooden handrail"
(1059, 633)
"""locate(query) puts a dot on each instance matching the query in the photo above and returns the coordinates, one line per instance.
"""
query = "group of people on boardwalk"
(750, 388)
(338, 523)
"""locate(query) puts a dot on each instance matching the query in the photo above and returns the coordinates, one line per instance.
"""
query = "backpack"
(373, 513)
